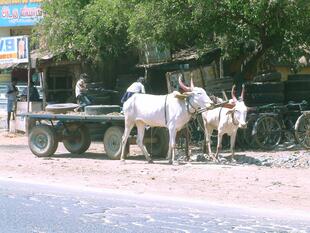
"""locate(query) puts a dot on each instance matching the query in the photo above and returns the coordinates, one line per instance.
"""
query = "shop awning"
(35, 55)
(8, 66)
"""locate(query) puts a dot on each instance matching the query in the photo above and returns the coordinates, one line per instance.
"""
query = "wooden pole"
(29, 75)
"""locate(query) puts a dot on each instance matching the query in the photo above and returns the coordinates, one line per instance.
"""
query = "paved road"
(33, 208)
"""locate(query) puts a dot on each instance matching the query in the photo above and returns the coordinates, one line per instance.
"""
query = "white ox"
(162, 111)
(226, 120)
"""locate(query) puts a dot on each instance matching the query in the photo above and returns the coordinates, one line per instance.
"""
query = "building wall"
(285, 71)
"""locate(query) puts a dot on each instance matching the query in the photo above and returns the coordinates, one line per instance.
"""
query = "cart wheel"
(42, 141)
(76, 139)
(267, 132)
(302, 131)
(161, 143)
(112, 141)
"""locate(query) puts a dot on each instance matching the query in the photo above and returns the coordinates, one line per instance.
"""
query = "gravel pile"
(280, 159)
(294, 160)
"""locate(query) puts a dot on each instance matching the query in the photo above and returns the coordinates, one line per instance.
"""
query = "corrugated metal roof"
(187, 55)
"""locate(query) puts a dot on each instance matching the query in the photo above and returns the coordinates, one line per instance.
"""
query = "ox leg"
(169, 153)
(208, 133)
(219, 145)
(232, 145)
(127, 131)
(172, 136)
(140, 127)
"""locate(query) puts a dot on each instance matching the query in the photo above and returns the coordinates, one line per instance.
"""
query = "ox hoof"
(170, 162)
(232, 160)
(150, 161)
(176, 163)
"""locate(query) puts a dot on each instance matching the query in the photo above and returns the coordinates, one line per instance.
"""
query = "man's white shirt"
(136, 87)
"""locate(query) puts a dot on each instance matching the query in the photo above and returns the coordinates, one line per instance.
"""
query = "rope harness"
(166, 109)
(233, 119)
(189, 105)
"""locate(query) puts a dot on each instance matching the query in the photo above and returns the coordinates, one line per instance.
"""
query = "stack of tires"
(216, 86)
(297, 88)
(265, 89)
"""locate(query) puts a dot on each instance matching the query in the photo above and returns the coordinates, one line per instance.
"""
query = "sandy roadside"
(251, 186)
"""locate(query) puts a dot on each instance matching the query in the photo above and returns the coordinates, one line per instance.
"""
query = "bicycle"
(277, 124)
(302, 129)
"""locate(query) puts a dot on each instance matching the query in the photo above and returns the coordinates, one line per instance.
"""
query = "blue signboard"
(20, 12)
(14, 49)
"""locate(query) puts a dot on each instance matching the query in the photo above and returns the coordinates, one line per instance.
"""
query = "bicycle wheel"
(267, 132)
(246, 133)
(302, 131)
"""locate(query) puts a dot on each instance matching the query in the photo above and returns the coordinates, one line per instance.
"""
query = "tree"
(246, 30)
(85, 30)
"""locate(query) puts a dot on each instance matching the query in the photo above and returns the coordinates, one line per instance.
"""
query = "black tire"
(302, 131)
(261, 87)
(112, 141)
(100, 99)
(76, 139)
(295, 77)
(94, 85)
(219, 84)
(249, 104)
(42, 140)
(158, 149)
(267, 132)
(265, 98)
(101, 109)
(302, 85)
(61, 108)
(297, 96)
(268, 77)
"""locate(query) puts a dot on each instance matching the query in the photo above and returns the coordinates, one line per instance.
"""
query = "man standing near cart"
(136, 87)
(80, 93)
(11, 94)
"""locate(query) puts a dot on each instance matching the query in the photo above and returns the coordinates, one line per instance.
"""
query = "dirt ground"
(246, 185)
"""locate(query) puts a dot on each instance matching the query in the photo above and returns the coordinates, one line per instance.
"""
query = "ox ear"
(188, 93)
(178, 95)
(230, 111)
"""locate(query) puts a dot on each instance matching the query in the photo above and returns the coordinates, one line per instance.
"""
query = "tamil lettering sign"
(20, 12)
(14, 49)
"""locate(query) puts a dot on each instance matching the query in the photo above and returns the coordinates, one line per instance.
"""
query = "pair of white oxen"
(173, 112)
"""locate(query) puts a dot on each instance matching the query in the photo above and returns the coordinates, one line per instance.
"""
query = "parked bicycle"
(302, 129)
(276, 124)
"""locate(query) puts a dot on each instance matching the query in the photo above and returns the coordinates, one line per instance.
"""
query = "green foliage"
(100, 29)
(277, 27)
(86, 30)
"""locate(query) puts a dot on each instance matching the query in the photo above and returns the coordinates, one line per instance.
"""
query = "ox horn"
(192, 84)
(183, 86)
(242, 92)
(233, 93)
